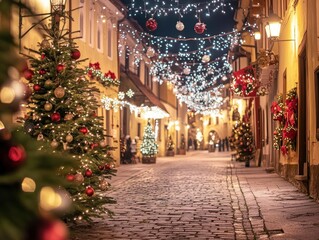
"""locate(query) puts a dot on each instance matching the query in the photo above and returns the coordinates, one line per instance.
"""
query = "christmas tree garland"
(106, 79)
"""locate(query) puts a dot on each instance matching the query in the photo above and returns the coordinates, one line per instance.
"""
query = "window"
(82, 20)
(100, 36)
(109, 39)
(127, 58)
(147, 78)
(91, 23)
(139, 130)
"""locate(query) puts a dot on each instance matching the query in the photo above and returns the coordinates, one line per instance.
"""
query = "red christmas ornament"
(151, 24)
(83, 130)
(26, 91)
(36, 87)
(28, 74)
(48, 229)
(55, 117)
(88, 173)
(70, 177)
(89, 191)
(94, 145)
(75, 54)
(101, 167)
(42, 56)
(11, 156)
(60, 67)
(42, 72)
(200, 27)
(107, 166)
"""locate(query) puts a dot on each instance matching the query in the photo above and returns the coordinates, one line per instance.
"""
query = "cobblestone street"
(204, 196)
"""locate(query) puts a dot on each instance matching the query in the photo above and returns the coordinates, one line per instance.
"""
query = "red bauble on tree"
(60, 67)
(55, 117)
(89, 191)
(200, 27)
(28, 74)
(42, 71)
(11, 156)
(36, 87)
(75, 54)
(42, 56)
(83, 130)
(151, 24)
(88, 173)
(70, 177)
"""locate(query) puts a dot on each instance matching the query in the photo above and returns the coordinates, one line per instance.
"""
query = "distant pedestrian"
(223, 145)
(195, 144)
(227, 144)
(190, 143)
(219, 145)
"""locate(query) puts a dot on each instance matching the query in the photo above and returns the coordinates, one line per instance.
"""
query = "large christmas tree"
(28, 182)
(149, 147)
(63, 111)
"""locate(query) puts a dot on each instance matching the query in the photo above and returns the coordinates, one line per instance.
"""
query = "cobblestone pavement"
(198, 196)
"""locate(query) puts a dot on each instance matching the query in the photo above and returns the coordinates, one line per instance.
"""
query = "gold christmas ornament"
(104, 184)
(205, 58)
(40, 137)
(59, 92)
(69, 138)
(54, 144)
(48, 83)
(180, 26)
(47, 106)
(78, 178)
(68, 117)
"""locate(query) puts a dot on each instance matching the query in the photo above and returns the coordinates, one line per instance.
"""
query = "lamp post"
(273, 25)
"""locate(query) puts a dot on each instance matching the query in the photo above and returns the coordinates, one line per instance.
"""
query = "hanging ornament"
(94, 145)
(205, 58)
(150, 52)
(180, 26)
(89, 191)
(75, 54)
(103, 143)
(151, 24)
(47, 106)
(28, 74)
(68, 117)
(40, 137)
(200, 27)
(70, 177)
(36, 87)
(69, 138)
(88, 173)
(55, 117)
(83, 130)
(12, 156)
(43, 56)
(104, 184)
(42, 71)
(48, 84)
(54, 144)
(186, 71)
(60, 68)
(59, 92)
(45, 44)
(78, 178)
(27, 92)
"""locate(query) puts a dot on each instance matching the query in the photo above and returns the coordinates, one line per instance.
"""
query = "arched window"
(91, 25)
(109, 39)
(82, 20)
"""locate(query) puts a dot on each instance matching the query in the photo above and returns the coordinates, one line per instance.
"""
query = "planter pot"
(149, 159)
(170, 153)
(182, 151)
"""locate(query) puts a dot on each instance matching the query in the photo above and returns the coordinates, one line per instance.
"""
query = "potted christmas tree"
(170, 147)
(149, 146)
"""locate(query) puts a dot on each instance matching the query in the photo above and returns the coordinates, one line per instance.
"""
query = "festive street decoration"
(149, 147)
(244, 83)
(106, 79)
(64, 112)
(180, 26)
(285, 134)
(200, 27)
(151, 24)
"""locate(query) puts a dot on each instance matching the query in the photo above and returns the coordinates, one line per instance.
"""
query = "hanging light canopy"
(273, 25)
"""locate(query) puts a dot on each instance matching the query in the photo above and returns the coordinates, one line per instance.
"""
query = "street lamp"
(57, 5)
(273, 26)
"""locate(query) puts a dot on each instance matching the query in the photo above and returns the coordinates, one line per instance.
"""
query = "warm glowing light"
(28, 185)
(7, 95)
(49, 199)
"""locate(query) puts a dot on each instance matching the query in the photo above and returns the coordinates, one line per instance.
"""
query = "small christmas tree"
(244, 144)
(149, 147)
(63, 111)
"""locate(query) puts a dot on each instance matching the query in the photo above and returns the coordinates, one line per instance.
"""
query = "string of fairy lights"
(196, 67)
(163, 8)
